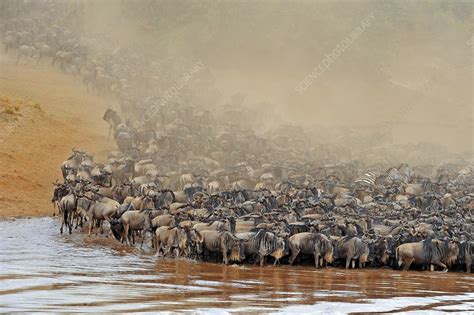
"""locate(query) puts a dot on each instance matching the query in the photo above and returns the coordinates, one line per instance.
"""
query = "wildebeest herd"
(254, 210)
(271, 212)
(205, 184)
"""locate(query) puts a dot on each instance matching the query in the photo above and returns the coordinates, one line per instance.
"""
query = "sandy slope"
(38, 141)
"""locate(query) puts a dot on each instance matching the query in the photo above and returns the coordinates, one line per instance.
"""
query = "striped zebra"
(368, 179)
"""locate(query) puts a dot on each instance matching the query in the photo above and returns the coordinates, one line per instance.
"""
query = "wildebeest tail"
(397, 257)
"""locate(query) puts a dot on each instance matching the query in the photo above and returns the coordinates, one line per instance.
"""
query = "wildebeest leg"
(91, 225)
(70, 222)
(125, 234)
(158, 247)
(262, 260)
(438, 263)
(106, 218)
(353, 263)
(348, 262)
(99, 227)
(143, 239)
(166, 250)
(316, 260)
(294, 254)
(224, 256)
(64, 221)
(407, 264)
(77, 217)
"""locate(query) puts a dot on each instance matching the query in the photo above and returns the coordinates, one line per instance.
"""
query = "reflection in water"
(42, 270)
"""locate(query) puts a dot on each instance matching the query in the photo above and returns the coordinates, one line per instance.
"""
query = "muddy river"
(41, 270)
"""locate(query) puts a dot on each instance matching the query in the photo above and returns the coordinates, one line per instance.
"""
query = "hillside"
(42, 112)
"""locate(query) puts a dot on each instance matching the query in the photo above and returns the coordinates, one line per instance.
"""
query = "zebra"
(368, 179)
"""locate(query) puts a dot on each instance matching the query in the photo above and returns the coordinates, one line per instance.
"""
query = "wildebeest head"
(372, 247)
(280, 247)
(60, 190)
(197, 240)
(327, 250)
(117, 228)
(390, 245)
(335, 253)
(453, 252)
(194, 241)
(237, 252)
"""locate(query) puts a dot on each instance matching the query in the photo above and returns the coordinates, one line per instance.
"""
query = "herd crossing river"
(208, 177)
(47, 272)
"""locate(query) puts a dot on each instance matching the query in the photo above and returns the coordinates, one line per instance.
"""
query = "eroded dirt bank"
(42, 112)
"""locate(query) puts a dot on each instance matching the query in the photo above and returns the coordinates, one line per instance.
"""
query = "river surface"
(41, 270)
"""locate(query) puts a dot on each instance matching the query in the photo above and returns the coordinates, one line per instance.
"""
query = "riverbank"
(42, 111)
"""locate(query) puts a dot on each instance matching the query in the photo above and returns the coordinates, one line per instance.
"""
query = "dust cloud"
(409, 71)
(405, 79)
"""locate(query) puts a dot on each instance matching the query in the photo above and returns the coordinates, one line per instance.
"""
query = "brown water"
(41, 270)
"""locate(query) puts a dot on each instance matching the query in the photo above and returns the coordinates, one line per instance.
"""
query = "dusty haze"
(409, 71)
(406, 78)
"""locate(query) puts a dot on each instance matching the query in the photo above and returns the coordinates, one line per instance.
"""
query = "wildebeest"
(427, 252)
(314, 244)
(172, 238)
(135, 220)
(67, 206)
(262, 244)
(225, 243)
(112, 118)
(352, 249)
(466, 254)
(98, 211)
